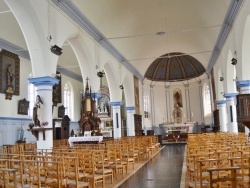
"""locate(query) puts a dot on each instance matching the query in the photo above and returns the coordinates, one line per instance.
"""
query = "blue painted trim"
(230, 95)
(243, 83)
(119, 103)
(44, 90)
(74, 122)
(16, 119)
(130, 108)
(221, 102)
(95, 95)
(45, 81)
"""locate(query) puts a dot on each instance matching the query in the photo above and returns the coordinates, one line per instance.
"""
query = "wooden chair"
(93, 177)
(114, 163)
(73, 169)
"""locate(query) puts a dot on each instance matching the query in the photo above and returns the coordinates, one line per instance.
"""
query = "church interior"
(106, 89)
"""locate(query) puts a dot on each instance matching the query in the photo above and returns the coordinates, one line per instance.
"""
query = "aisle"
(163, 171)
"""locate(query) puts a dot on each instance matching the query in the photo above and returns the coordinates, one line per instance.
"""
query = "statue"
(38, 111)
(177, 114)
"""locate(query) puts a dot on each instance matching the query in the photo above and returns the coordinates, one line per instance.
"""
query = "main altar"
(188, 127)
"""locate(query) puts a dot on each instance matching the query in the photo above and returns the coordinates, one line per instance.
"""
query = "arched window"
(68, 100)
(207, 99)
(146, 104)
(31, 97)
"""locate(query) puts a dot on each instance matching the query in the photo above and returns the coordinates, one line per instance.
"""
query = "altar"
(84, 139)
(182, 127)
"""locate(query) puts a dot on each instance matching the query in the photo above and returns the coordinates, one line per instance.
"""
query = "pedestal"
(38, 132)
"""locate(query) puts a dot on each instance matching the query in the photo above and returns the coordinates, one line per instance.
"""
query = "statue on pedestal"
(177, 114)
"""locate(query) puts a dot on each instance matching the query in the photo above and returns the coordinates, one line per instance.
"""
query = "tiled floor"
(163, 171)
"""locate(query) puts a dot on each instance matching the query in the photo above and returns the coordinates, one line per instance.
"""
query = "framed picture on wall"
(57, 91)
(9, 73)
(23, 107)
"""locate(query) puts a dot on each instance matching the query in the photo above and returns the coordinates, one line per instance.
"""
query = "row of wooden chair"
(218, 160)
(83, 165)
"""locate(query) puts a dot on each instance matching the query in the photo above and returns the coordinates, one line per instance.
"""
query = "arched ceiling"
(142, 30)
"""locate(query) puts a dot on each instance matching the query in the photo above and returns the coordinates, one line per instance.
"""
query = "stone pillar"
(221, 106)
(130, 121)
(44, 89)
(244, 86)
(231, 111)
(116, 114)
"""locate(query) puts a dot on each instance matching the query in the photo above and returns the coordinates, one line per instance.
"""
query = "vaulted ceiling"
(140, 31)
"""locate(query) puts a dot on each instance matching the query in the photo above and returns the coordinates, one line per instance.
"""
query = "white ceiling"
(190, 26)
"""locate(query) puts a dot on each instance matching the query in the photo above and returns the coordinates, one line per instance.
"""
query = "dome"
(174, 67)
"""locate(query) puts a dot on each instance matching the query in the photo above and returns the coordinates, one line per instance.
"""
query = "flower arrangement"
(43, 124)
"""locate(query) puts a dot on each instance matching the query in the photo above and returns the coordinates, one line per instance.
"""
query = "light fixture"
(221, 78)
(56, 50)
(121, 86)
(100, 74)
(234, 61)
(160, 33)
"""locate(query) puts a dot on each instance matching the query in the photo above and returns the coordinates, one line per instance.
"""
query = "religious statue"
(177, 114)
(21, 133)
(38, 111)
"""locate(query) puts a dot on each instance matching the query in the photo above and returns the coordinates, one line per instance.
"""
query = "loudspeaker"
(56, 50)
(234, 61)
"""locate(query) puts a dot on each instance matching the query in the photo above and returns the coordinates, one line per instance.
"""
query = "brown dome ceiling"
(174, 67)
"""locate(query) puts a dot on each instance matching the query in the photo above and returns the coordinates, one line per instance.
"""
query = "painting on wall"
(136, 90)
(57, 91)
(9, 73)
(177, 98)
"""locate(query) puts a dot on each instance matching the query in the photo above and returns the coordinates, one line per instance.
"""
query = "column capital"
(45, 81)
(230, 95)
(130, 108)
(118, 103)
(221, 102)
(243, 83)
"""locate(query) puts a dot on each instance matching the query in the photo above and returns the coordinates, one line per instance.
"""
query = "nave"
(162, 171)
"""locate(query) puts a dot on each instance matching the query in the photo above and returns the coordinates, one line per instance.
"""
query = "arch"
(68, 99)
(230, 74)
(35, 32)
(220, 88)
(115, 91)
(129, 90)
(245, 71)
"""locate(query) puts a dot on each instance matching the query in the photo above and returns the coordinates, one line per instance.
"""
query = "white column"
(130, 121)
(221, 106)
(244, 86)
(116, 112)
(187, 99)
(231, 111)
(44, 89)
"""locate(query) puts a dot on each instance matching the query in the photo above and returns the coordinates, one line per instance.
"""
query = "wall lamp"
(234, 61)
(56, 50)
(100, 74)
(121, 86)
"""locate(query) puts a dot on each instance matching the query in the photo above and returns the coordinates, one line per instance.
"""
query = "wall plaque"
(23, 106)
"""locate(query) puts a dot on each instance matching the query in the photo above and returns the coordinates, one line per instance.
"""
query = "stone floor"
(164, 170)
